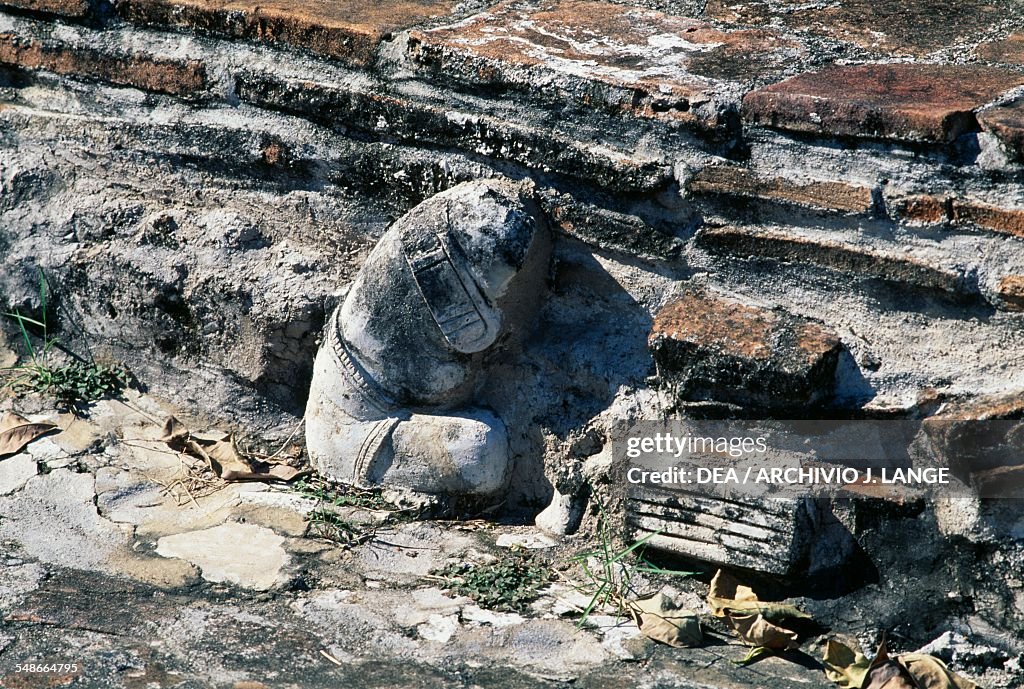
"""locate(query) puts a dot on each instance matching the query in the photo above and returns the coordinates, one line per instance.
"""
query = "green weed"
(70, 383)
(508, 584)
(609, 572)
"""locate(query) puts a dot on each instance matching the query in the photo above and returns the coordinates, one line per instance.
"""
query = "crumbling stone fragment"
(715, 348)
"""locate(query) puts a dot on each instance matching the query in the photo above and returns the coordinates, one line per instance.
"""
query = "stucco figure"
(391, 402)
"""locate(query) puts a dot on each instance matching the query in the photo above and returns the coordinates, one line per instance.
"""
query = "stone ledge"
(1008, 51)
(848, 258)
(1009, 221)
(907, 102)
(1006, 123)
(348, 30)
(391, 115)
(184, 78)
(736, 181)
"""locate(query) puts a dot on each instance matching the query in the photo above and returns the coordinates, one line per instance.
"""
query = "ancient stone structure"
(833, 190)
(402, 353)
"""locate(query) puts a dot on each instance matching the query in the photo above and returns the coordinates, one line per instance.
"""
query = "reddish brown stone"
(349, 30)
(720, 349)
(177, 77)
(847, 258)
(602, 54)
(885, 27)
(1003, 220)
(1006, 122)
(922, 209)
(1009, 51)
(1011, 291)
(69, 8)
(899, 101)
(736, 181)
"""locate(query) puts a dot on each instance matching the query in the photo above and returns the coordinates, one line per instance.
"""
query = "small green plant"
(71, 383)
(508, 584)
(609, 572)
(330, 520)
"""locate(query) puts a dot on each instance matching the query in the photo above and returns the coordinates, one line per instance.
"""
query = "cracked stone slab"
(241, 554)
(53, 519)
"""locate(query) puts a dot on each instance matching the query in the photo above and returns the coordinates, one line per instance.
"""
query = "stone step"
(389, 114)
(826, 250)
(638, 62)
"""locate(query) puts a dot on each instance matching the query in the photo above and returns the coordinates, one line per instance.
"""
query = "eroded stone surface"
(624, 58)
(899, 101)
(1009, 50)
(241, 554)
(720, 349)
(16, 471)
(344, 29)
(891, 27)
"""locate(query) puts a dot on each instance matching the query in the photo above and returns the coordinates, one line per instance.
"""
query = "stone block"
(719, 349)
(736, 181)
(348, 30)
(853, 259)
(911, 102)
(185, 78)
(921, 209)
(621, 58)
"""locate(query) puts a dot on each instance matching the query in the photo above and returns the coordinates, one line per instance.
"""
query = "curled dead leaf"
(219, 451)
(754, 630)
(727, 594)
(16, 432)
(845, 666)
(660, 619)
(851, 669)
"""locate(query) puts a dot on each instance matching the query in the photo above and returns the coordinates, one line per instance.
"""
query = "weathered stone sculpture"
(391, 398)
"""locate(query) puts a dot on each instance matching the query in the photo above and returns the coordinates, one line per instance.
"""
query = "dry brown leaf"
(850, 669)
(754, 630)
(932, 673)
(660, 619)
(16, 432)
(726, 594)
(845, 666)
(218, 449)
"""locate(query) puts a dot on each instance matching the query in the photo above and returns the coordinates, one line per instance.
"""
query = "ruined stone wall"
(200, 178)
